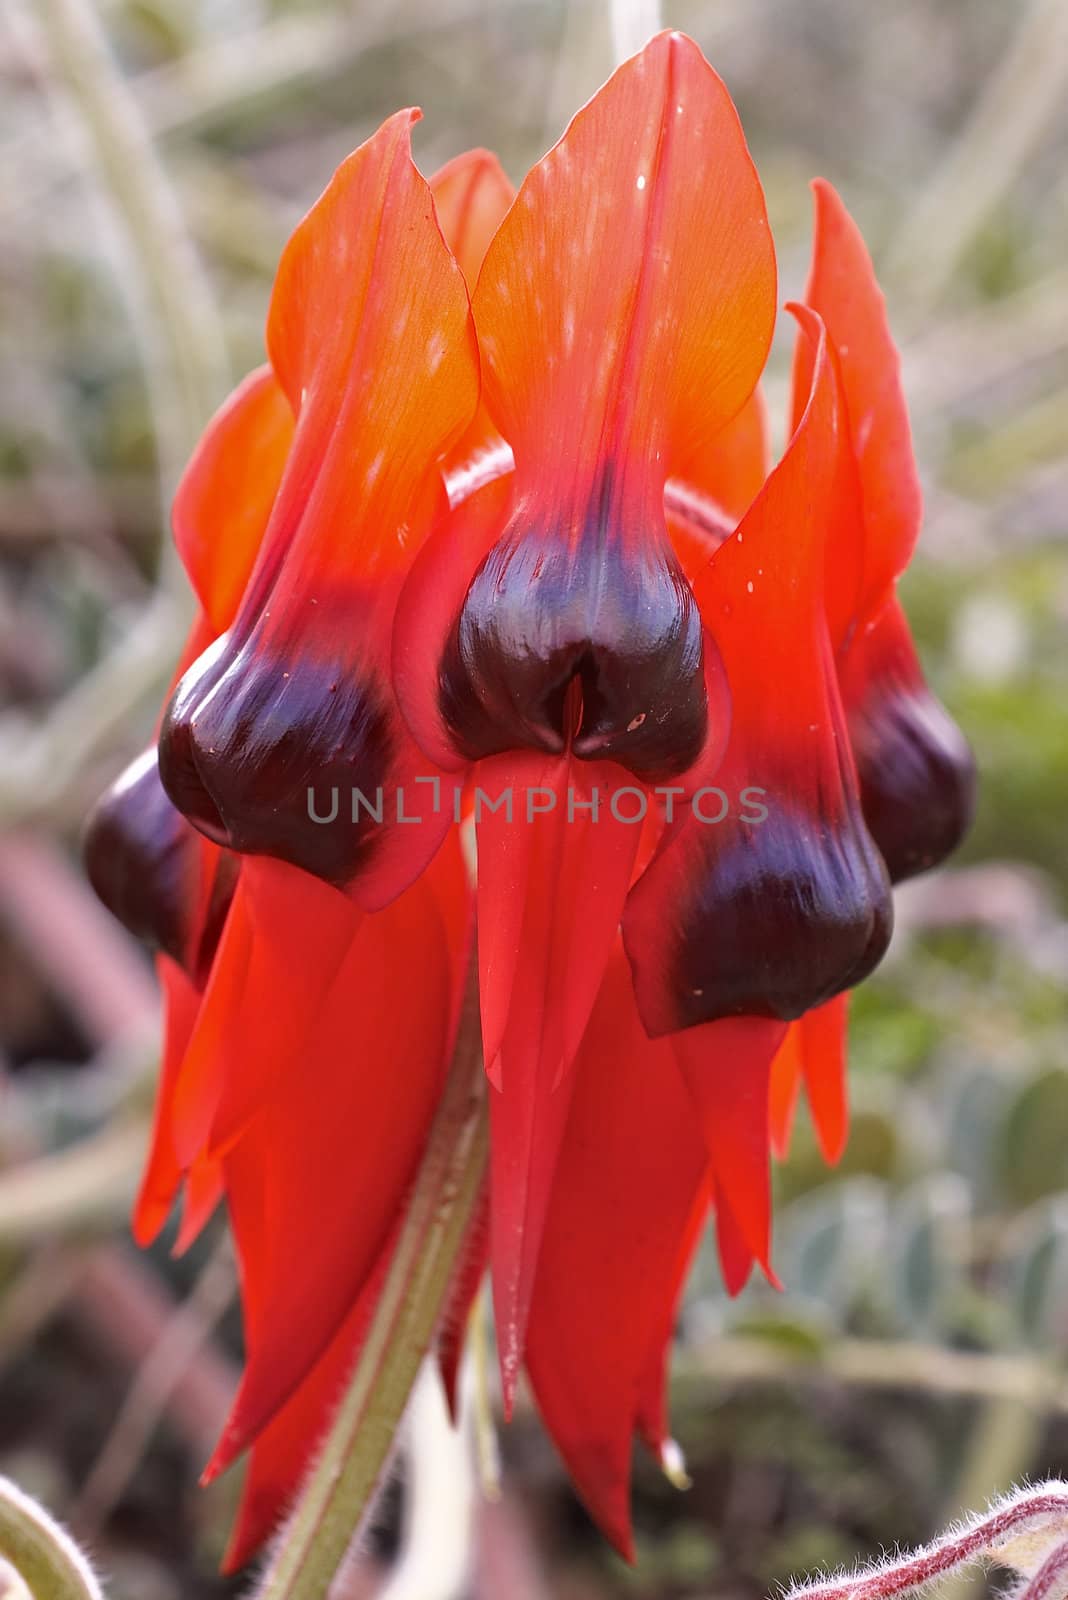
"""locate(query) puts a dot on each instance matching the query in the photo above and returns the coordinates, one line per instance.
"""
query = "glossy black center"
(542, 615)
(917, 777)
(784, 915)
(146, 864)
(259, 745)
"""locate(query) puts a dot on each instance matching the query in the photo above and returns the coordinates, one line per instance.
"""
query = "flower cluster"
(499, 513)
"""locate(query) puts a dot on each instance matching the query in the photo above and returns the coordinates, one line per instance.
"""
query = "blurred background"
(914, 1364)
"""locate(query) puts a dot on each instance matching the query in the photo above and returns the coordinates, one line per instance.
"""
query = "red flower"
(519, 560)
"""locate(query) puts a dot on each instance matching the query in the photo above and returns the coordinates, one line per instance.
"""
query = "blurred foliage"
(915, 1357)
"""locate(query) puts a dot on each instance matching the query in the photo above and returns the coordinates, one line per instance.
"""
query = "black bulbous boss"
(148, 867)
(544, 613)
(255, 726)
(781, 917)
(917, 777)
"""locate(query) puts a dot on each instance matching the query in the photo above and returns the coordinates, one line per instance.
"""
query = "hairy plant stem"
(341, 1486)
(46, 1559)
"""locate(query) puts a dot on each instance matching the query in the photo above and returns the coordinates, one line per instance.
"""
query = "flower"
(495, 529)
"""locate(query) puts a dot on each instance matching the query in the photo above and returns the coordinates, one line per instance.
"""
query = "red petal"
(550, 891)
(284, 1450)
(204, 1189)
(627, 302)
(302, 932)
(163, 1171)
(743, 914)
(726, 1066)
(272, 974)
(823, 1051)
(371, 337)
(736, 1258)
(428, 607)
(316, 1179)
(732, 467)
(813, 1052)
(624, 310)
(630, 1172)
(216, 1034)
(843, 289)
(652, 1424)
(786, 1072)
(224, 500)
(472, 194)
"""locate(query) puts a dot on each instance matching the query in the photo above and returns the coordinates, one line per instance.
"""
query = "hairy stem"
(46, 1559)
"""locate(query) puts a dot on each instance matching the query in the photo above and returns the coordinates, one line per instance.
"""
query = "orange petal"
(626, 304)
(282, 1452)
(224, 500)
(624, 311)
(472, 194)
(786, 1073)
(629, 1176)
(823, 1052)
(551, 887)
(726, 1066)
(371, 338)
(842, 288)
(769, 897)
(316, 1179)
(732, 467)
(651, 1424)
(163, 1170)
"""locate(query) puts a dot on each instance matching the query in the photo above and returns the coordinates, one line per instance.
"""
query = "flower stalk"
(341, 1486)
(46, 1559)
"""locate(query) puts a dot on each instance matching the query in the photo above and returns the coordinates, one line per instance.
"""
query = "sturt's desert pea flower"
(493, 545)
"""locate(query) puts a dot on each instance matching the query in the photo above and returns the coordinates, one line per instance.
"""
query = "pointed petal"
(223, 503)
(843, 289)
(204, 1190)
(551, 887)
(624, 314)
(726, 1066)
(624, 311)
(736, 1258)
(630, 1172)
(274, 971)
(163, 1172)
(823, 1052)
(215, 1035)
(302, 933)
(316, 1179)
(651, 1422)
(786, 1073)
(916, 770)
(769, 897)
(371, 338)
(645, 341)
